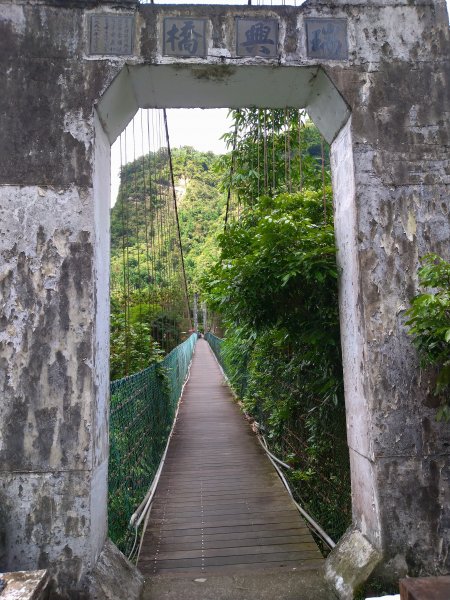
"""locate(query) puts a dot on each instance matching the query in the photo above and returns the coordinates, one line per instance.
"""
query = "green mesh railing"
(215, 344)
(142, 411)
(320, 480)
(238, 382)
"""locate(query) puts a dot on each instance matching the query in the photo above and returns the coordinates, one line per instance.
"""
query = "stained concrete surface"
(267, 584)
(53, 384)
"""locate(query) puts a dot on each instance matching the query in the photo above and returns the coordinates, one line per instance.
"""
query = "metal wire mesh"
(142, 410)
(215, 344)
(320, 478)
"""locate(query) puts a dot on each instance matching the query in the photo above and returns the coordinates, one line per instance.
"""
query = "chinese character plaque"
(257, 37)
(184, 37)
(327, 38)
(111, 34)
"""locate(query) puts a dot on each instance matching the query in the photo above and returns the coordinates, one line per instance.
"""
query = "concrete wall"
(400, 104)
(391, 175)
(54, 290)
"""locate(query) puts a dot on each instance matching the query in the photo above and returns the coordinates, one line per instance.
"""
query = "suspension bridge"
(193, 492)
(220, 507)
(216, 507)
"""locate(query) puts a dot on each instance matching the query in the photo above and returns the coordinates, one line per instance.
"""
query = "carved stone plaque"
(327, 38)
(111, 34)
(257, 37)
(184, 37)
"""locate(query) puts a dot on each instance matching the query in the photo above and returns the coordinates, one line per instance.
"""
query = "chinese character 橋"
(186, 38)
(189, 38)
(172, 36)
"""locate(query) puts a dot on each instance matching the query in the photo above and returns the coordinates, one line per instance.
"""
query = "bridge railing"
(321, 486)
(215, 344)
(142, 410)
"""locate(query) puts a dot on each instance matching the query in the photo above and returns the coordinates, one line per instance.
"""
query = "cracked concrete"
(60, 109)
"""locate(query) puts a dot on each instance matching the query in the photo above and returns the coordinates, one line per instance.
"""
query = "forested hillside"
(201, 209)
(148, 305)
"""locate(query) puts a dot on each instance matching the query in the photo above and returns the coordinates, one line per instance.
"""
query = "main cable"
(174, 193)
(230, 184)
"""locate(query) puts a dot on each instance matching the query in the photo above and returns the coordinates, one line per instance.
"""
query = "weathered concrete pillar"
(54, 283)
(391, 182)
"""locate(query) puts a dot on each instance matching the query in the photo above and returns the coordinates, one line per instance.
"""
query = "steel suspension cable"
(273, 153)
(148, 253)
(150, 226)
(174, 193)
(300, 158)
(258, 150)
(164, 235)
(289, 151)
(159, 179)
(232, 166)
(125, 252)
(266, 174)
(165, 215)
(140, 330)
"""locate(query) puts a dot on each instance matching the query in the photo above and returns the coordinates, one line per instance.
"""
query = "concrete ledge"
(282, 583)
(114, 577)
(350, 564)
(24, 585)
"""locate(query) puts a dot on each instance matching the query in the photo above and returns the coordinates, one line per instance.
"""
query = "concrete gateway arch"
(374, 76)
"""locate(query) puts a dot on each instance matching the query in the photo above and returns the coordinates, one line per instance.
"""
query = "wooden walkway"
(220, 506)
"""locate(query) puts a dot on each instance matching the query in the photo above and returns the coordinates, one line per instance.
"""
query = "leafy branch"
(429, 324)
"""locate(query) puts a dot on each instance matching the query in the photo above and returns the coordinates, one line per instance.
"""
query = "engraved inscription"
(327, 38)
(184, 37)
(111, 34)
(256, 37)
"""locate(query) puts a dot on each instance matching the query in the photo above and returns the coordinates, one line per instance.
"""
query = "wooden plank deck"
(220, 505)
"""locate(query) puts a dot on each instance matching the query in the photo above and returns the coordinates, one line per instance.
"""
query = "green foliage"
(201, 211)
(147, 297)
(429, 323)
(131, 349)
(270, 155)
(274, 264)
(137, 216)
(275, 286)
(236, 353)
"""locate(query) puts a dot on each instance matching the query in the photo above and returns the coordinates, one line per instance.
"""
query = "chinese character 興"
(257, 39)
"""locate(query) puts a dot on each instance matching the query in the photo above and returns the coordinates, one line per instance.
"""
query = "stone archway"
(390, 172)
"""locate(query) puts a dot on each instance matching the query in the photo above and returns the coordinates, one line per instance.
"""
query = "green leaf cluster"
(272, 151)
(275, 266)
(429, 324)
